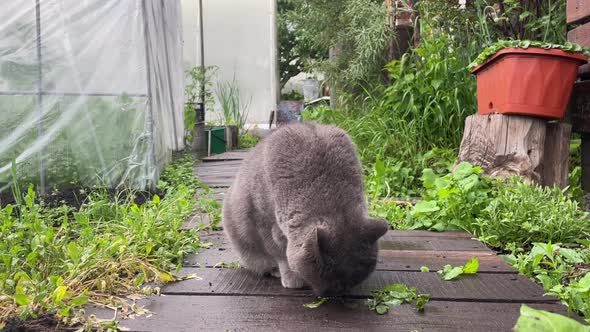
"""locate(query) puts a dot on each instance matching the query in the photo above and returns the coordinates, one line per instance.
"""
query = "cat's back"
(312, 160)
(311, 149)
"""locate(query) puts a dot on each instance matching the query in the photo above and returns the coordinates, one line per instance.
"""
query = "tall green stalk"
(234, 111)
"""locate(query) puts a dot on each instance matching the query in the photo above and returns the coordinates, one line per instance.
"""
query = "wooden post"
(586, 162)
(508, 145)
(556, 156)
(577, 15)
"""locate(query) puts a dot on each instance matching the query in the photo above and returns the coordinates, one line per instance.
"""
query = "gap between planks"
(505, 288)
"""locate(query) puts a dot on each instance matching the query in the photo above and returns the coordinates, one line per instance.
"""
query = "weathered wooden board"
(213, 177)
(484, 287)
(389, 260)
(392, 242)
(418, 233)
(217, 182)
(232, 155)
(577, 10)
(586, 162)
(580, 108)
(215, 164)
(406, 240)
(252, 313)
(224, 175)
(556, 155)
(413, 260)
(581, 35)
(221, 170)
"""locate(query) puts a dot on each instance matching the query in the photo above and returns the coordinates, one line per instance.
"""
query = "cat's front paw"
(291, 280)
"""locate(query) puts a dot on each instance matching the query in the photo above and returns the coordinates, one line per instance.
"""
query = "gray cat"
(297, 211)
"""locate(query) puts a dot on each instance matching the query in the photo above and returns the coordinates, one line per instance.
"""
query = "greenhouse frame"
(90, 92)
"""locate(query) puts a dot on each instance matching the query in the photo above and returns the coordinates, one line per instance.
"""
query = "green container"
(215, 138)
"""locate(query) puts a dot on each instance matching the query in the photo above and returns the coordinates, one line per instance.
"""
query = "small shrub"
(247, 141)
(524, 213)
(452, 201)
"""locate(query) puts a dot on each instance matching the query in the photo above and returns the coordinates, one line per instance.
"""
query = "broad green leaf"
(21, 299)
(315, 304)
(421, 301)
(440, 227)
(60, 293)
(428, 178)
(424, 269)
(436, 84)
(441, 183)
(445, 193)
(35, 243)
(472, 266)
(426, 207)
(469, 182)
(463, 170)
(547, 281)
(166, 277)
(453, 273)
(532, 320)
(65, 312)
(73, 252)
(510, 259)
(79, 301)
(382, 309)
(571, 255)
(584, 282)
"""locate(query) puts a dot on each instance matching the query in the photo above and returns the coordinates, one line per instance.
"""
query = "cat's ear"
(322, 239)
(314, 244)
(375, 228)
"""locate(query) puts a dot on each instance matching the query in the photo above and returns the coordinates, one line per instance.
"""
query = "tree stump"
(509, 145)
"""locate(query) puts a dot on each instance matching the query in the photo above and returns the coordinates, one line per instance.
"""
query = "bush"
(524, 213)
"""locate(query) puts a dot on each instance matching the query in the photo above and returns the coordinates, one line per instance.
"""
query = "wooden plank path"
(230, 299)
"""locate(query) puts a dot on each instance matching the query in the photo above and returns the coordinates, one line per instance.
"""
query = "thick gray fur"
(297, 210)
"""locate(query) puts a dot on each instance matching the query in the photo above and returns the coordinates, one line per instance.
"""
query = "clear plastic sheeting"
(91, 92)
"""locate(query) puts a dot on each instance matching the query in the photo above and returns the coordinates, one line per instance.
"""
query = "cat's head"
(334, 261)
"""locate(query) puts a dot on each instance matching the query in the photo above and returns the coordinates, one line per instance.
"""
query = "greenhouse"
(90, 92)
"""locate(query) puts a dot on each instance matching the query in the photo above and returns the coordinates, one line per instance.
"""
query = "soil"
(76, 196)
(42, 324)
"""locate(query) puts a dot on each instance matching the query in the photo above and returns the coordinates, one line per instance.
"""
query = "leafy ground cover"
(54, 260)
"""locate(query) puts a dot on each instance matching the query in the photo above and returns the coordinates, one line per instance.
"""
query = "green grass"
(53, 261)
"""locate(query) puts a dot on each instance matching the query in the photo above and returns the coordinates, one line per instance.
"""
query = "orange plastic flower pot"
(531, 81)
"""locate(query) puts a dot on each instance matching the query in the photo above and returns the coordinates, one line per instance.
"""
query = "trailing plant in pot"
(527, 77)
